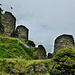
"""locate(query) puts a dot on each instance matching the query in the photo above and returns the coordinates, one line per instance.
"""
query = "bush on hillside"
(65, 62)
(28, 42)
(31, 43)
(31, 52)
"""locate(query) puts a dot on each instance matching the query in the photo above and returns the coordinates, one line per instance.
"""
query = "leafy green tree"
(1, 25)
(65, 62)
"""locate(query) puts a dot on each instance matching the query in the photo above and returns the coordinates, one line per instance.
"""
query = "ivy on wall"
(1, 25)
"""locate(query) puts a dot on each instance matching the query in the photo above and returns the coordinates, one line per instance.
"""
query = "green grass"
(20, 64)
(32, 52)
(11, 48)
(28, 42)
(17, 56)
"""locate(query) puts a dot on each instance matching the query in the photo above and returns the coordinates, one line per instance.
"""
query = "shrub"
(3, 63)
(65, 62)
(35, 55)
(28, 42)
(30, 51)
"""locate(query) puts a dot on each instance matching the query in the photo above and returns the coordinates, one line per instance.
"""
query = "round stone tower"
(63, 41)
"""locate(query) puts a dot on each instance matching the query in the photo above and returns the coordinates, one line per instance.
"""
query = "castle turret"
(63, 41)
(22, 32)
(9, 23)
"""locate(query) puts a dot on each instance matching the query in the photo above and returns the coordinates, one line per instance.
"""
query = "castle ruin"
(9, 23)
(50, 55)
(41, 52)
(63, 41)
(22, 32)
(10, 30)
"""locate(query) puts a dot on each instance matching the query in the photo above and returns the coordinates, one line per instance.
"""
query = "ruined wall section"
(22, 32)
(50, 55)
(9, 22)
(41, 52)
(63, 41)
(10, 30)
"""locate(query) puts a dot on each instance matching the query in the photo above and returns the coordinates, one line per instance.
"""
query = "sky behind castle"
(45, 19)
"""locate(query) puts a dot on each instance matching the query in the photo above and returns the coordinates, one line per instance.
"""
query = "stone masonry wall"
(41, 52)
(9, 22)
(50, 55)
(22, 32)
(10, 30)
(63, 41)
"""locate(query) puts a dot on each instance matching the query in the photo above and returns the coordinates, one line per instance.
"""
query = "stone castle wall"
(9, 22)
(41, 52)
(63, 41)
(22, 32)
(10, 30)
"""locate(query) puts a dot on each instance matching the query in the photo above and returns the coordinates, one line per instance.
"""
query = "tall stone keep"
(63, 41)
(22, 32)
(9, 22)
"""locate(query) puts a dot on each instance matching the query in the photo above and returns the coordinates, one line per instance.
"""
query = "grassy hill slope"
(15, 56)
(12, 48)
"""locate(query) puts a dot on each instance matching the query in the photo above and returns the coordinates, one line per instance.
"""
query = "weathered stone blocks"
(63, 41)
(9, 22)
(37, 68)
(50, 55)
(10, 30)
(41, 52)
(22, 32)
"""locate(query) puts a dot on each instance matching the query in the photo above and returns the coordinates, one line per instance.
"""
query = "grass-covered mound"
(12, 48)
(14, 55)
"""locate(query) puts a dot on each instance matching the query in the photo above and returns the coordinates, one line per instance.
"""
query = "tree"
(65, 62)
(1, 25)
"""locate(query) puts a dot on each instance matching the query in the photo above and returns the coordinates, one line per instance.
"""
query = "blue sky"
(45, 19)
